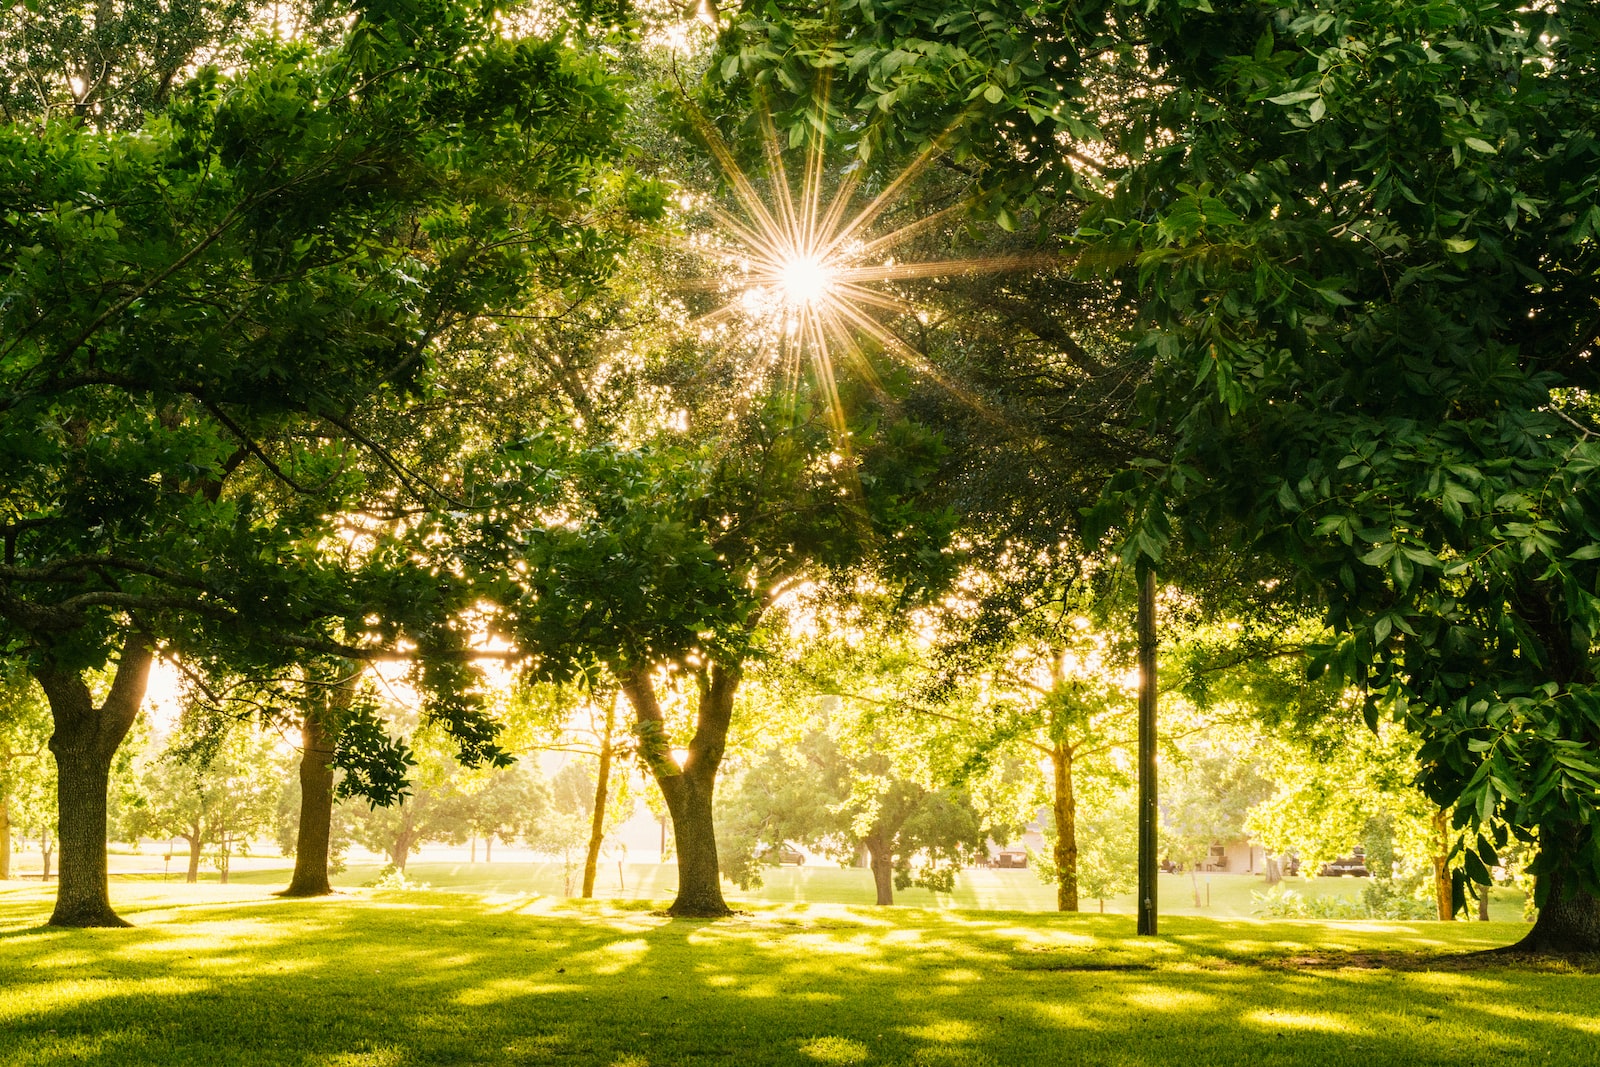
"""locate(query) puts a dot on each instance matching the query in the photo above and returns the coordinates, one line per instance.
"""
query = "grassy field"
(1223, 896)
(230, 975)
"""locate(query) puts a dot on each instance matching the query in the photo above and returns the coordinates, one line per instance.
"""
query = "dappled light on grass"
(431, 977)
(1300, 1020)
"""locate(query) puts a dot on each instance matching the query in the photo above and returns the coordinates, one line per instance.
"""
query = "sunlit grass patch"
(422, 978)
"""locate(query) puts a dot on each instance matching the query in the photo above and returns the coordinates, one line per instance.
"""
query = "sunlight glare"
(805, 280)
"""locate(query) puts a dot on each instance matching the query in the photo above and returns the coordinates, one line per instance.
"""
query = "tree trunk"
(314, 835)
(1274, 872)
(314, 838)
(1445, 902)
(5, 839)
(1568, 922)
(602, 782)
(84, 741)
(1483, 905)
(488, 846)
(1066, 810)
(688, 790)
(401, 850)
(1194, 881)
(44, 857)
(882, 862)
(194, 856)
(472, 848)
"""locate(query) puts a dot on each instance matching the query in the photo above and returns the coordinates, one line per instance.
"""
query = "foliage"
(1341, 785)
(178, 470)
(1381, 899)
(214, 784)
(114, 62)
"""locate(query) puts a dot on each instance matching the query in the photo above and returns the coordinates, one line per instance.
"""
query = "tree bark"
(688, 790)
(5, 839)
(1444, 901)
(194, 856)
(314, 836)
(1569, 920)
(84, 741)
(602, 783)
(488, 847)
(1066, 811)
(882, 863)
(401, 850)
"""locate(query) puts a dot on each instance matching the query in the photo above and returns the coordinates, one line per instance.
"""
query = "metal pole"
(1149, 812)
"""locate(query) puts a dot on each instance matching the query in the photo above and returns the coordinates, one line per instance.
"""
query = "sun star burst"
(806, 263)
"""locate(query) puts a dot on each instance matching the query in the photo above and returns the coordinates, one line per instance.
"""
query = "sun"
(805, 280)
(807, 262)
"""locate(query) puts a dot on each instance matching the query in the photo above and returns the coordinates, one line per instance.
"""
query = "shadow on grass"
(386, 980)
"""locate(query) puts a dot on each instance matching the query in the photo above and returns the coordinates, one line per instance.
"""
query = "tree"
(1362, 239)
(844, 796)
(672, 558)
(213, 785)
(1211, 787)
(24, 733)
(1339, 784)
(174, 471)
(115, 62)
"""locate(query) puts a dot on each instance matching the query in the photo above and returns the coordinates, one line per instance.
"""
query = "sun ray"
(803, 261)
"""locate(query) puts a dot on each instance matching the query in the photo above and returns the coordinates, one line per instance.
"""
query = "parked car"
(783, 856)
(1354, 865)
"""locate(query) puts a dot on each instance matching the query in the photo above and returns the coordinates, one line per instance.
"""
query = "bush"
(1383, 898)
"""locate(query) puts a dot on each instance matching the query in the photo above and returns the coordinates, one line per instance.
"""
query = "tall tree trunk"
(84, 741)
(602, 783)
(688, 790)
(1483, 905)
(1569, 919)
(194, 855)
(314, 837)
(45, 853)
(472, 848)
(1066, 810)
(1443, 899)
(488, 845)
(881, 859)
(5, 839)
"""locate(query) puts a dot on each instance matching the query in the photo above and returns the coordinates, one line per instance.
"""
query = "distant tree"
(216, 792)
(1339, 785)
(504, 803)
(843, 797)
(24, 758)
(1208, 790)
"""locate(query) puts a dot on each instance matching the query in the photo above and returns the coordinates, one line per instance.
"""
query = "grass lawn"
(1223, 896)
(229, 975)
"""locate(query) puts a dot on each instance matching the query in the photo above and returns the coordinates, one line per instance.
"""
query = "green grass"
(229, 975)
(1006, 890)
